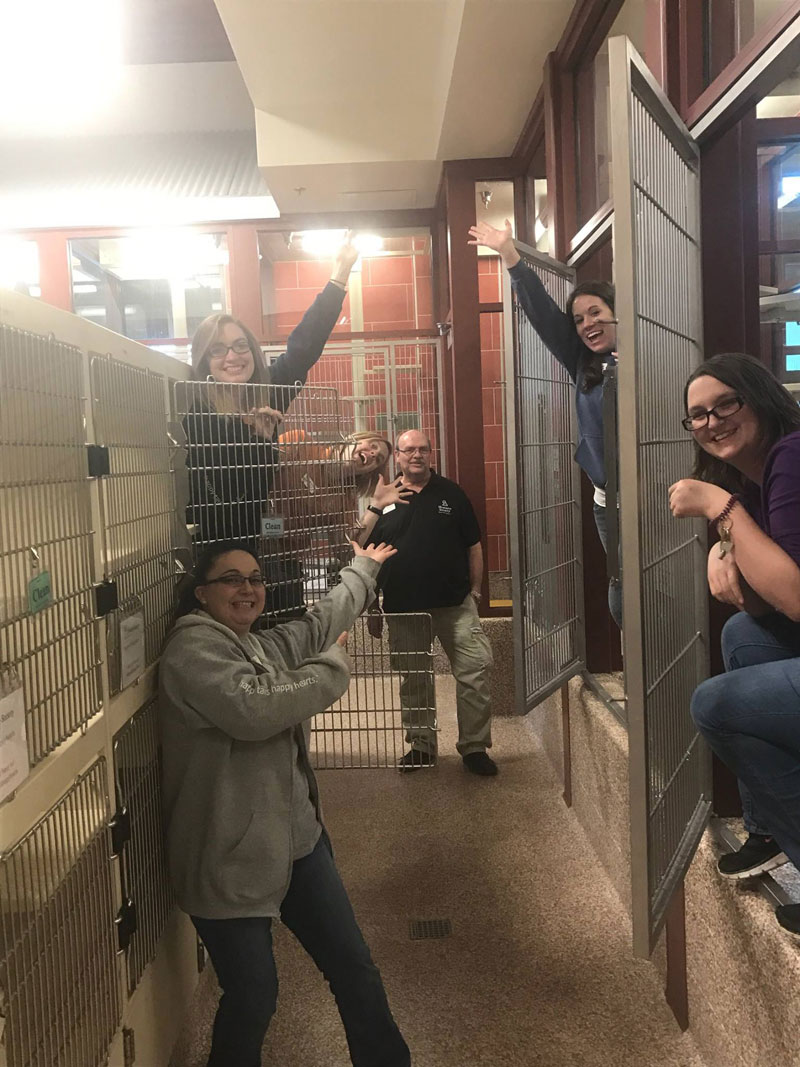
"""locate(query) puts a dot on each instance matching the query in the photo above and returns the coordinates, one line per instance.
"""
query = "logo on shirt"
(444, 508)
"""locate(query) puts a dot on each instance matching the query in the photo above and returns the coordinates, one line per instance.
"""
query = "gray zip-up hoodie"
(227, 728)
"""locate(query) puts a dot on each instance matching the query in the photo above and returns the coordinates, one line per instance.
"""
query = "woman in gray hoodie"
(245, 839)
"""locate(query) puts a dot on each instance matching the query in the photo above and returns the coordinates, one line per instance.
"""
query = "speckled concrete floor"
(538, 970)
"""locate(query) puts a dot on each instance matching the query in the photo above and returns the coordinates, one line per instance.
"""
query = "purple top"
(777, 509)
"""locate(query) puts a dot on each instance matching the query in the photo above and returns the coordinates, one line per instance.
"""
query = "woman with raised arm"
(245, 838)
(747, 485)
(583, 339)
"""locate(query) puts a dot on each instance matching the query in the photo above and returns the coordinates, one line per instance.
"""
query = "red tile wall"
(493, 432)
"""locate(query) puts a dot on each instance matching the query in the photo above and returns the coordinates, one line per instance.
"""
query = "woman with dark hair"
(233, 455)
(583, 339)
(747, 485)
(245, 839)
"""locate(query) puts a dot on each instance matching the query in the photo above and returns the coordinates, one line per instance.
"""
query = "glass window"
(390, 287)
(729, 26)
(154, 285)
(494, 203)
(19, 265)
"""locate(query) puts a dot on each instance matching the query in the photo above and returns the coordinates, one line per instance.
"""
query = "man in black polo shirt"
(438, 569)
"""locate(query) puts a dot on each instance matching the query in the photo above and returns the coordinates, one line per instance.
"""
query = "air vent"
(425, 929)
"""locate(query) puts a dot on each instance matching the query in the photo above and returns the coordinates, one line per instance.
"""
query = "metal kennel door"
(657, 266)
(545, 499)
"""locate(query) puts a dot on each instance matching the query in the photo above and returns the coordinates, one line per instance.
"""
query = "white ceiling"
(358, 102)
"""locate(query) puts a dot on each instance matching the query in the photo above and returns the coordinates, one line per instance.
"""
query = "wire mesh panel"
(58, 970)
(285, 488)
(137, 771)
(389, 386)
(391, 699)
(130, 421)
(657, 265)
(46, 527)
(546, 567)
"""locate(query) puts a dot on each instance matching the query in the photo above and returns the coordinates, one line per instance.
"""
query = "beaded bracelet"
(724, 526)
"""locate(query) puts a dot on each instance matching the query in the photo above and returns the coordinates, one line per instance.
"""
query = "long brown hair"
(592, 362)
(777, 413)
(207, 334)
(367, 481)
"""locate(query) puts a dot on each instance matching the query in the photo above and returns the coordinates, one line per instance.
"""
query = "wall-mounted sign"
(14, 764)
(271, 526)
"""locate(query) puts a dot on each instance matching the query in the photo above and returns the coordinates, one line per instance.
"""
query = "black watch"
(374, 510)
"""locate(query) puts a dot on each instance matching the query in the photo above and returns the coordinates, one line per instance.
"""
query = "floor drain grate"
(420, 929)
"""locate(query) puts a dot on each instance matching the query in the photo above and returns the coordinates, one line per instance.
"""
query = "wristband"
(723, 524)
(733, 499)
(374, 510)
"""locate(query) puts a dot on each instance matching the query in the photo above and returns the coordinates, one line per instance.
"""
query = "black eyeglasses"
(237, 581)
(410, 451)
(241, 346)
(723, 410)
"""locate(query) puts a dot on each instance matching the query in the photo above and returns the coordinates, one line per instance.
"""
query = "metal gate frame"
(550, 375)
(657, 206)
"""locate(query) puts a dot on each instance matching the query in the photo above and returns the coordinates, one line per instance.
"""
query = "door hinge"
(126, 924)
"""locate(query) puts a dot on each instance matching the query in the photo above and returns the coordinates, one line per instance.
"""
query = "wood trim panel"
(531, 135)
(778, 131)
(585, 31)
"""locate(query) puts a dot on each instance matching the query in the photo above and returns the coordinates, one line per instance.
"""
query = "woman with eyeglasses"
(747, 485)
(233, 454)
(583, 339)
(245, 840)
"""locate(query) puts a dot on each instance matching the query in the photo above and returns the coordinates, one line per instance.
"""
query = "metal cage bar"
(287, 490)
(391, 697)
(544, 481)
(143, 862)
(655, 168)
(137, 499)
(59, 980)
(45, 525)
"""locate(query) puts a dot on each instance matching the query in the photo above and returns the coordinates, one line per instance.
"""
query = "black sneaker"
(757, 855)
(480, 763)
(788, 915)
(414, 759)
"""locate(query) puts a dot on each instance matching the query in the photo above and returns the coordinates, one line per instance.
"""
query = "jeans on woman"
(750, 717)
(614, 585)
(318, 912)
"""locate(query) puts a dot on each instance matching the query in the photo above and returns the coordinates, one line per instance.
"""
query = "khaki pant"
(470, 654)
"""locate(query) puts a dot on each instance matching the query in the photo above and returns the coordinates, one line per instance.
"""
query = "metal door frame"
(649, 904)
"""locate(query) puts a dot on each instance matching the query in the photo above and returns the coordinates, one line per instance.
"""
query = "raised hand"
(345, 259)
(380, 553)
(263, 421)
(387, 493)
(498, 240)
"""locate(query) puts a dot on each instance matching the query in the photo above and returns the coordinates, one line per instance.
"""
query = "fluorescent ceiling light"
(58, 59)
(323, 243)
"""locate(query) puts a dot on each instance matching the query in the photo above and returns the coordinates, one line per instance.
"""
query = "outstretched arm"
(550, 322)
(309, 337)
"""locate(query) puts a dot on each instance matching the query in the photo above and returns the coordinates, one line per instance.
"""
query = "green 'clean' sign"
(40, 592)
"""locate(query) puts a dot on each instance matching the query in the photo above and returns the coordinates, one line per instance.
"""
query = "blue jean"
(317, 910)
(614, 585)
(750, 717)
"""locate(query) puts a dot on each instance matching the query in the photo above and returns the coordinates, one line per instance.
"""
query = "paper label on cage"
(14, 765)
(40, 592)
(272, 526)
(131, 648)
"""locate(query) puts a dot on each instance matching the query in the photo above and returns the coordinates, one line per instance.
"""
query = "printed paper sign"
(14, 765)
(40, 592)
(272, 526)
(131, 648)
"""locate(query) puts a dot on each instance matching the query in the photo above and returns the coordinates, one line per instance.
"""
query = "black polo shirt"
(433, 534)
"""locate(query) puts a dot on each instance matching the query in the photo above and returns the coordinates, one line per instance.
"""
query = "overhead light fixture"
(58, 60)
(325, 243)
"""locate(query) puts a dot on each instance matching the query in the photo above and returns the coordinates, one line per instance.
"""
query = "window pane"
(390, 287)
(730, 26)
(151, 286)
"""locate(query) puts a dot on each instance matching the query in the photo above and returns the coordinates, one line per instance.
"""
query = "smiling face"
(236, 606)
(229, 356)
(369, 455)
(413, 456)
(735, 439)
(593, 321)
